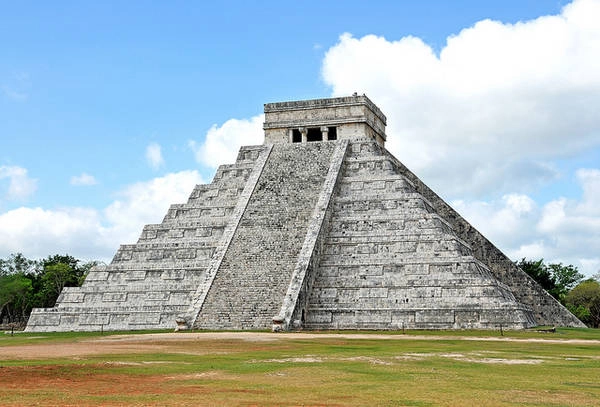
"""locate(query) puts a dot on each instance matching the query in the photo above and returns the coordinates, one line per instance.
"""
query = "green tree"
(17, 263)
(584, 302)
(26, 283)
(557, 278)
(56, 277)
(57, 272)
(539, 272)
(565, 278)
(15, 297)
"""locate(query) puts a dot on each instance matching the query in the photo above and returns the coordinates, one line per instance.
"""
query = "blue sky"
(110, 111)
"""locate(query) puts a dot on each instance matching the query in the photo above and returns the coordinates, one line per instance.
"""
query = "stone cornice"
(325, 103)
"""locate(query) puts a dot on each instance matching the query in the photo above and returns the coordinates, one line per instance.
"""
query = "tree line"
(565, 283)
(27, 283)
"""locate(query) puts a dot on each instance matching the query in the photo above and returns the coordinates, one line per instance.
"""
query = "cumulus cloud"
(89, 233)
(20, 185)
(222, 143)
(37, 232)
(83, 180)
(154, 156)
(493, 108)
(562, 230)
(147, 202)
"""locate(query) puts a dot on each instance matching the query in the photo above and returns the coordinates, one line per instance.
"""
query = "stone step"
(182, 252)
(398, 249)
(134, 286)
(355, 259)
(402, 203)
(367, 148)
(256, 270)
(426, 318)
(390, 240)
(129, 266)
(199, 222)
(57, 319)
(186, 213)
(205, 235)
(383, 225)
(367, 166)
(364, 186)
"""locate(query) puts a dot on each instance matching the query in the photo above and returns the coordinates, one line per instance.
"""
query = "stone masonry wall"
(546, 310)
(389, 261)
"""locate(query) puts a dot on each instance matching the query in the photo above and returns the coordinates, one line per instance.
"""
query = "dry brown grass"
(207, 369)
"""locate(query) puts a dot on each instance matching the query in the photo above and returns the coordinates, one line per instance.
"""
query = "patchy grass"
(415, 369)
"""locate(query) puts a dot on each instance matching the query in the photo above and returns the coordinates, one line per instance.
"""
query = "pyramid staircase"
(148, 284)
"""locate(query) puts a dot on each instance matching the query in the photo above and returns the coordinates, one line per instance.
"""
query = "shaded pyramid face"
(330, 234)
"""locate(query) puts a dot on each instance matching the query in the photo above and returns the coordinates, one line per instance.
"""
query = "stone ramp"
(249, 287)
(390, 262)
(149, 283)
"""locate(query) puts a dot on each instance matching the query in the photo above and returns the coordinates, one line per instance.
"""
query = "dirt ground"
(91, 384)
(145, 343)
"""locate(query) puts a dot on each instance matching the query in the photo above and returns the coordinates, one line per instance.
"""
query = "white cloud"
(89, 233)
(509, 222)
(83, 180)
(154, 156)
(14, 94)
(37, 232)
(562, 230)
(20, 185)
(222, 143)
(147, 202)
(493, 109)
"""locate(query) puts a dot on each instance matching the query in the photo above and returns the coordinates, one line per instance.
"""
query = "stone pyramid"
(318, 228)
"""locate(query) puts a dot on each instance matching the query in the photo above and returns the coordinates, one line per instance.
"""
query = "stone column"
(291, 135)
(325, 132)
(304, 132)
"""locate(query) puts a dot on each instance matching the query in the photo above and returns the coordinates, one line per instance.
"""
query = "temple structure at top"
(342, 118)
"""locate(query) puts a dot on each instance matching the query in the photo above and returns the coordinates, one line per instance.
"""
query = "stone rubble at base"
(318, 228)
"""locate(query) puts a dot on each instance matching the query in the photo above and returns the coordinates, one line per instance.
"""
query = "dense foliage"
(565, 284)
(557, 279)
(26, 284)
(584, 302)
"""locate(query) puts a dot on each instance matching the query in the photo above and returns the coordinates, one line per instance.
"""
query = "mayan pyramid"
(318, 228)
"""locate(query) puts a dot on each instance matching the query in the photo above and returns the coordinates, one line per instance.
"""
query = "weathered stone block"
(97, 276)
(145, 318)
(93, 319)
(114, 297)
(173, 275)
(72, 297)
(373, 292)
(134, 275)
(435, 317)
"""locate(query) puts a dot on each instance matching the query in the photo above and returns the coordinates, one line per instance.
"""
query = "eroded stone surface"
(321, 228)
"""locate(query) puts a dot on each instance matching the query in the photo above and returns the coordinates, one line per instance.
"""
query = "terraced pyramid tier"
(319, 228)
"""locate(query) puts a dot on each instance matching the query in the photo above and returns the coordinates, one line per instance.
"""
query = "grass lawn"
(463, 368)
